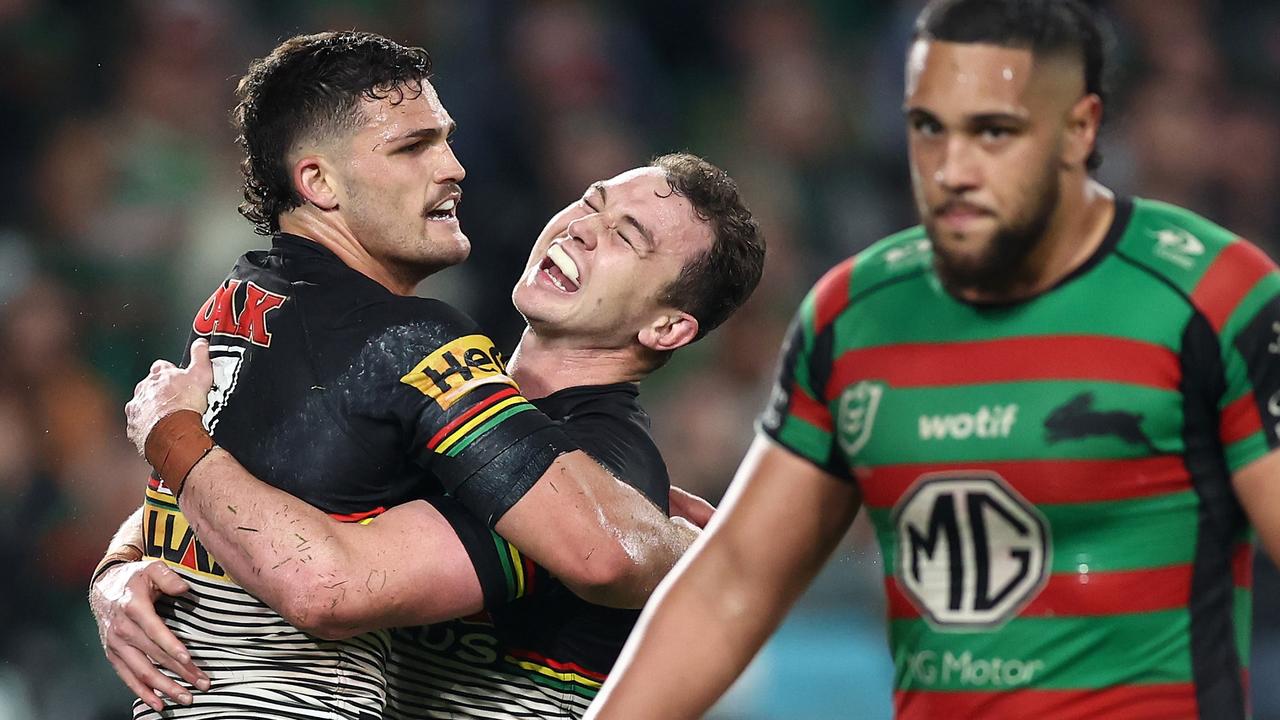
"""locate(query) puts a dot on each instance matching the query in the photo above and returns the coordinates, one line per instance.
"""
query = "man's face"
(398, 184)
(985, 130)
(598, 269)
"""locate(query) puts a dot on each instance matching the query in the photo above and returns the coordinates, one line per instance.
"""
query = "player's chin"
(451, 245)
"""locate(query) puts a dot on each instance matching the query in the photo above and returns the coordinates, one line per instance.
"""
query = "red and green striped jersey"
(1050, 480)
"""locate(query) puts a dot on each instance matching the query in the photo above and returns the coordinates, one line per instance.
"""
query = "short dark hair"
(1045, 27)
(714, 284)
(311, 86)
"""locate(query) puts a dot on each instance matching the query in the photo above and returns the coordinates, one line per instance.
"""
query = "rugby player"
(629, 249)
(337, 384)
(1058, 406)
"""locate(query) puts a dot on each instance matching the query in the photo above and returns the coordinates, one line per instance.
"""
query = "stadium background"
(119, 184)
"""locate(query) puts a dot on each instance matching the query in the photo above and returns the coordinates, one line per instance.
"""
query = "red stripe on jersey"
(1047, 357)
(470, 413)
(1132, 702)
(1042, 481)
(809, 410)
(1240, 419)
(831, 295)
(1232, 275)
(357, 517)
(1086, 594)
(1242, 565)
(557, 665)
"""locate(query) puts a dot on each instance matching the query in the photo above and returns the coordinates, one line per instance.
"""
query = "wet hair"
(310, 87)
(714, 284)
(1048, 28)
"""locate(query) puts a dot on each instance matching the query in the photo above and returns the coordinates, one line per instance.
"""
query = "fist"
(168, 389)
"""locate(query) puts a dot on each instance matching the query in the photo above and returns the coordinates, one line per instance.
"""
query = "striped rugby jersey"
(541, 652)
(1050, 480)
(353, 399)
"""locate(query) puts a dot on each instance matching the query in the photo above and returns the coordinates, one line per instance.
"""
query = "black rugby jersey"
(353, 399)
(545, 654)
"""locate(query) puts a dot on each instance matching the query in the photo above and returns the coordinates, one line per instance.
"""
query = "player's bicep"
(1257, 485)
(783, 516)
(422, 572)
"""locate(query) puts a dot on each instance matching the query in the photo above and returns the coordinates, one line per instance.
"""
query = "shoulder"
(899, 256)
(1210, 265)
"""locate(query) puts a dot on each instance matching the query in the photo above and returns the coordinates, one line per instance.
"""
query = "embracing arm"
(599, 536)
(732, 590)
(328, 578)
(122, 596)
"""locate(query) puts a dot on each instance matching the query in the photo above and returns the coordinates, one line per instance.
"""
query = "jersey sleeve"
(798, 415)
(505, 573)
(1240, 297)
(469, 425)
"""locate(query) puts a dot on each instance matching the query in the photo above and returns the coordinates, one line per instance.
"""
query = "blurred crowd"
(120, 179)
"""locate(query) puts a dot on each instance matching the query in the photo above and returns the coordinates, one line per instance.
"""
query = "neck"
(542, 366)
(320, 227)
(1074, 233)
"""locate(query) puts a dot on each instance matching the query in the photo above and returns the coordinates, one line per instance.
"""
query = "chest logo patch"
(856, 415)
(971, 551)
(1076, 420)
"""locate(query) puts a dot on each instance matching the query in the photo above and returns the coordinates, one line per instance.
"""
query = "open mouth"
(561, 270)
(445, 211)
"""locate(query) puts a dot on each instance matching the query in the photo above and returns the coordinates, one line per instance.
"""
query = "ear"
(670, 331)
(315, 181)
(1081, 137)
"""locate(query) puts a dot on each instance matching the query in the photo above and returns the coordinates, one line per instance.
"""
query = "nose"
(450, 169)
(958, 171)
(585, 230)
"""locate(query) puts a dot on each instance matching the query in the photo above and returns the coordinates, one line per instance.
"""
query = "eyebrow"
(980, 119)
(429, 133)
(629, 219)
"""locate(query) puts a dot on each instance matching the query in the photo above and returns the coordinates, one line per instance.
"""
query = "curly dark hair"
(716, 283)
(310, 86)
(1045, 27)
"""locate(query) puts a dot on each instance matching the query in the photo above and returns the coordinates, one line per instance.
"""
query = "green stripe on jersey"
(1045, 653)
(1156, 238)
(1243, 617)
(1244, 451)
(1104, 536)
(919, 310)
(915, 421)
(809, 441)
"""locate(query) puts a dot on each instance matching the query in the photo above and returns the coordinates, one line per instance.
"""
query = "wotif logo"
(988, 421)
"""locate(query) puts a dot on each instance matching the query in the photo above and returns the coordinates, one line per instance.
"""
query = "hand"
(134, 637)
(168, 389)
(686, 505)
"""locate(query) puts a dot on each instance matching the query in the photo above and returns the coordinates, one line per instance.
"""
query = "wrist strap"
(175, 445)
(119, 556)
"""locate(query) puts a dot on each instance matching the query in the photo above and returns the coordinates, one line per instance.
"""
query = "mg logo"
(971, 550)
(857, 415)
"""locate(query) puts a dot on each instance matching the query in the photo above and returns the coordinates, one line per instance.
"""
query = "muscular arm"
(329, 578)
(730, 593)
(1258, 487)
(599, 536)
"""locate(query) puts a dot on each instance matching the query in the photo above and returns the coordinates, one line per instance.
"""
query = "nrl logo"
(857, 415)
(1178, 246)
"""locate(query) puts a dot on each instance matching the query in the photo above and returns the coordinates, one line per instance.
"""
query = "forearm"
(737, 583)
(709, 614)
(610, 544)
(329, 578)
